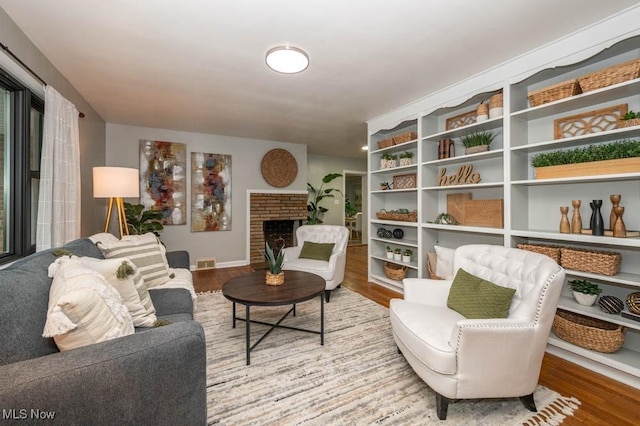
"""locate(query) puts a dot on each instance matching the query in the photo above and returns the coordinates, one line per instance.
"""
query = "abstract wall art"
(162, 179)
(210, 192)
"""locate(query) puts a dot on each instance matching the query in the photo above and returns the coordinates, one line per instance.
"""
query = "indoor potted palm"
(275, 274)
(584, 292)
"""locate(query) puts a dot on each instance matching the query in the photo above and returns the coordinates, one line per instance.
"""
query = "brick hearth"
(265, 206)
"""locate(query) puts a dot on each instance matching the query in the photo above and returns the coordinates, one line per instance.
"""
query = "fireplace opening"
(278, 233)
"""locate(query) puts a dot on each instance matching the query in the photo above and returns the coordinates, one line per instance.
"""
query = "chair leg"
(528, 402)
(398, 348)
(442, 404)
(327, 295)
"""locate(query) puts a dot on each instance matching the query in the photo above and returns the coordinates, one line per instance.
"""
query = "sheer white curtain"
(59, 200)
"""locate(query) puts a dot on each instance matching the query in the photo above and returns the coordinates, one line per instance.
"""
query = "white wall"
(246, 154)
(318, 166)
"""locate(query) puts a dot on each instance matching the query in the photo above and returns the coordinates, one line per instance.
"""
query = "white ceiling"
(198, 65)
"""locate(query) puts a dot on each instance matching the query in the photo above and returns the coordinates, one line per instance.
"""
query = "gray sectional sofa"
(156, 376)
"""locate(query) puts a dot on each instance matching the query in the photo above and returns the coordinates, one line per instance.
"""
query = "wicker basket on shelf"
(554, 93)
(385, 143)
(404, 137)
(589, 333)
(597, 262)
(629, 123)
(496, 101)
(401, 217)
(395, 271)
(431, 268)
(548, 250)
(612, 75)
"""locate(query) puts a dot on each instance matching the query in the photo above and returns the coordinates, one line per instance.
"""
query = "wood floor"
(604, 401)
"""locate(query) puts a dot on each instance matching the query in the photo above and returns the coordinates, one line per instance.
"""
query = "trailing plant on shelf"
(384, 186)
(141, 220)
(407, 252)
(477, 139)
(630, 115)
(314, 209)
(445, 219)
(397, 251)
(610, 151)
(389, 249)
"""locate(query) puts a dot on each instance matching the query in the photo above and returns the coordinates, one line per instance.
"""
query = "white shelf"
(576, 238)
(467, 186)
(402, 242)
(492, 124)
(462, 228)
(393, 170)
(624, 278)
(388, 191)
(412, 264)
(397, 148)
(569, 304)
(466, 158)
(591, 138)
(581, 179)
(394, 223)
(605, 94)
(387, 282)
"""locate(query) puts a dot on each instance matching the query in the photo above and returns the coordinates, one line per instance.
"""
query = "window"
(21, 119)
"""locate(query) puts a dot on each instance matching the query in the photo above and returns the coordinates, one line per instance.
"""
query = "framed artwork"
(210, 192)
(163, 180)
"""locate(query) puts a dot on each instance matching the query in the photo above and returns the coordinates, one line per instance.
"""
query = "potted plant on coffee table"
(275, 274)
(584, 292)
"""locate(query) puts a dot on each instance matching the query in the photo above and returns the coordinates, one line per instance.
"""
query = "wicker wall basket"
(589, 333)
(548, 250)
(395, 271)
(554, 93)
(596, 262)
(612, 75)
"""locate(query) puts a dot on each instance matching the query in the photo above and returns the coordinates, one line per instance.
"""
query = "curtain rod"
(27, 68)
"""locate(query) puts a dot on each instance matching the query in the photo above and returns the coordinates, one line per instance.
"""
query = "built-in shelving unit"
(531, 206)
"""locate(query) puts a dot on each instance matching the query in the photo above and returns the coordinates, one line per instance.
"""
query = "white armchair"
(333, 270)
(463, 358)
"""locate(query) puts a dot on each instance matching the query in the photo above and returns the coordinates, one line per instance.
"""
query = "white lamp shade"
(122, 182)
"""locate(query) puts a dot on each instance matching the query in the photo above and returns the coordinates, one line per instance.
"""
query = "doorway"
(355, 206)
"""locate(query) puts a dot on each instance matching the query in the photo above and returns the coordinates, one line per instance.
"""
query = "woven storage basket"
(404, 137)
(385, 143)
(554, 93)
(495, 101)
(401, 217)
(395, 271)
(597, 262)
(629, 123)
(612, 75)
(551, 251)
(589, 333)
(432, 271)
(482, 109)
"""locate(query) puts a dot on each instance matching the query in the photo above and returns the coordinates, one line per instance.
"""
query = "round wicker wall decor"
(279, 167)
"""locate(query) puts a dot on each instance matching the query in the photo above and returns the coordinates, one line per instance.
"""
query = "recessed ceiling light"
(365, 148)
(287, 59)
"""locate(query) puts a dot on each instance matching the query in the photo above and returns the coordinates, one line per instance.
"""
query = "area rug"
(356, 378)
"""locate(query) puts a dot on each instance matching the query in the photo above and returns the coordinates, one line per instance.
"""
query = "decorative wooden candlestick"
(597, 225)
(565, 227)
(576, 220)
(615, 202)
(619, 228)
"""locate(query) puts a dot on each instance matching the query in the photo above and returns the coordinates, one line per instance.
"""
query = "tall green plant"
(314, 209)
(273, 261)
(141, 221)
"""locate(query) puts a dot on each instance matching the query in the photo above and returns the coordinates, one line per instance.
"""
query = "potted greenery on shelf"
(610, 158)
(389, 253)
(405, 158)
(388, 161)
(477, 142)
(406, 255)
(584, 292)
(397, 254)
(630, 119)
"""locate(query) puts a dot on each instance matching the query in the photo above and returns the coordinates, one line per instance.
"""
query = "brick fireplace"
(272, 207)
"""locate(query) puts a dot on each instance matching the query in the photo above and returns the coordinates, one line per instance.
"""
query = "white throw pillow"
(132, 289)
(83, 308)
(145, 252)
(444, 265)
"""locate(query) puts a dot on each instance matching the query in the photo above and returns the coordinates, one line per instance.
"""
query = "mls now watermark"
(27, 414)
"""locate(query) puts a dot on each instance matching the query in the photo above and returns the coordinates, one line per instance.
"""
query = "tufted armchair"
(463, 358)
(333, 270)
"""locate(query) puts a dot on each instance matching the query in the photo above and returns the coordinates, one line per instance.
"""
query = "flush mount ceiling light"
(287, 59)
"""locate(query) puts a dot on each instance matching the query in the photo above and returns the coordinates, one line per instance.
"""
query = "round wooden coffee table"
(251, 290)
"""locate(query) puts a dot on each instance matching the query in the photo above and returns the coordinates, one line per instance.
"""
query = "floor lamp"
(116, 183)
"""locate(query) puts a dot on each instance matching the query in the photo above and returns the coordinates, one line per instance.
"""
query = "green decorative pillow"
(318, 251)
(475, 298)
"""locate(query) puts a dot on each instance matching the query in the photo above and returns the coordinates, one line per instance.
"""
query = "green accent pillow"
(475, 298)
(318, 251)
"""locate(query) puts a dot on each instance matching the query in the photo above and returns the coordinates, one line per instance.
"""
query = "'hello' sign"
(465, 175)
